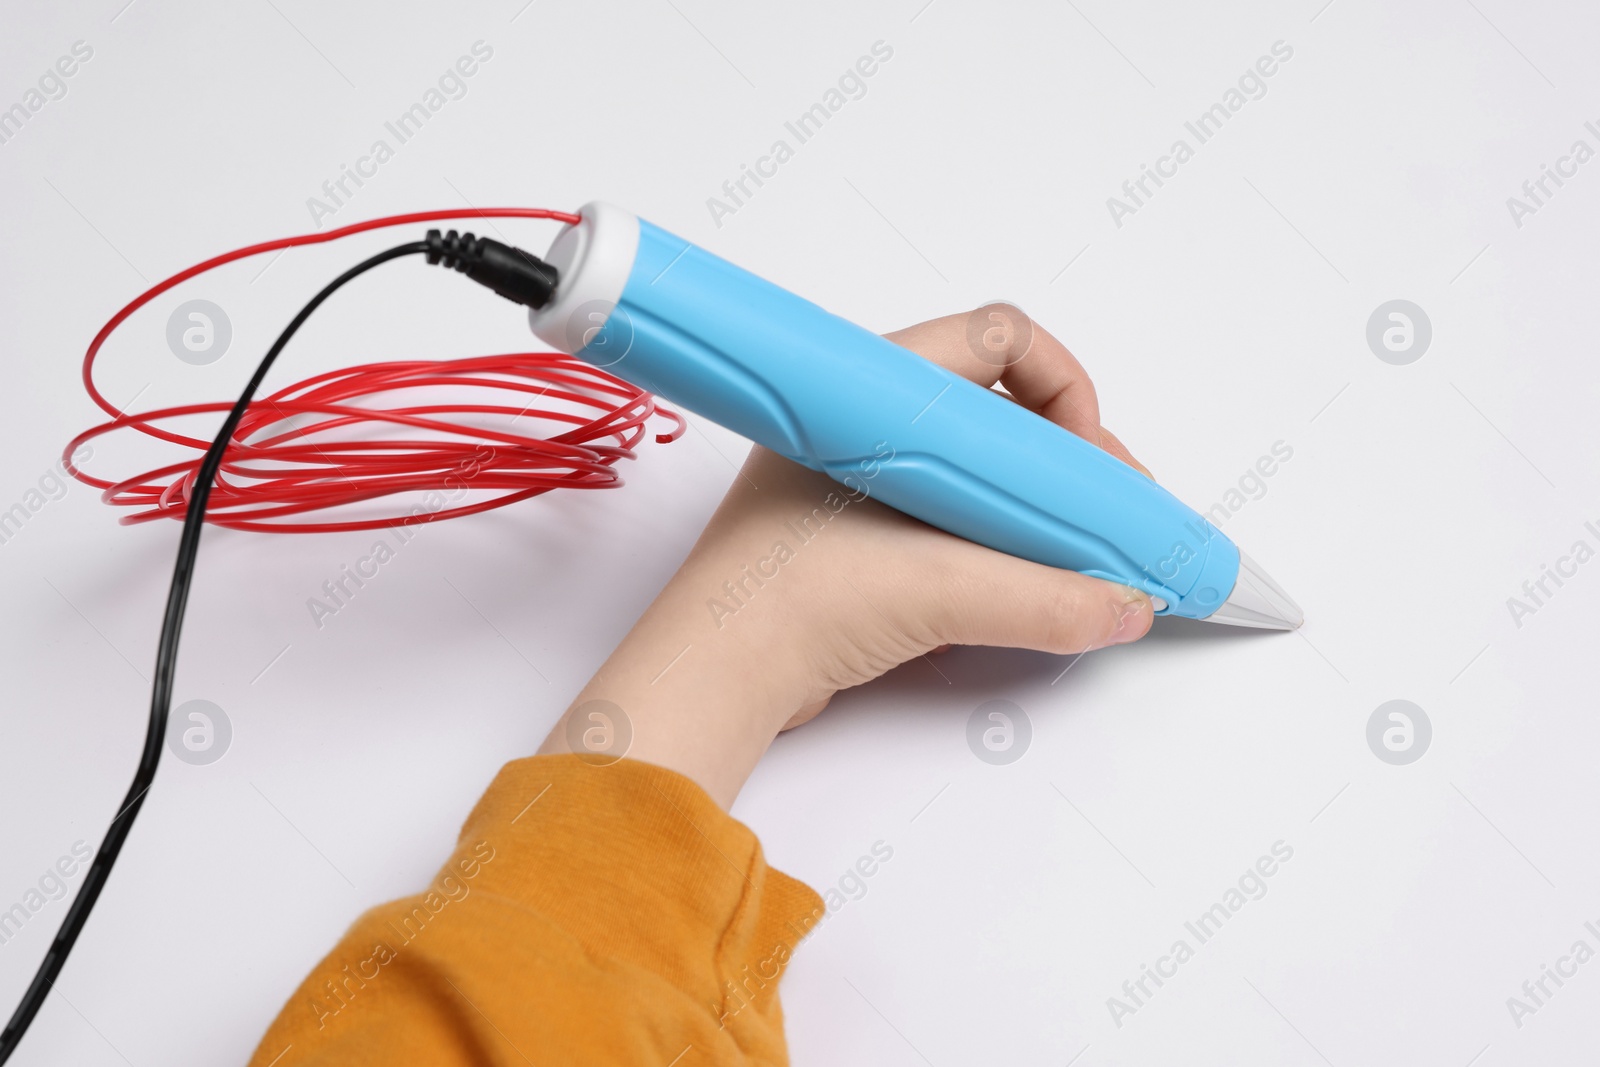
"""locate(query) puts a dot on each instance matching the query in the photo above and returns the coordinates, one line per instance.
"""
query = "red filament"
(327, 442)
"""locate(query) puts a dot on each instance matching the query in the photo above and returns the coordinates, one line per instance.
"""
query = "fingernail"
(1133, 619)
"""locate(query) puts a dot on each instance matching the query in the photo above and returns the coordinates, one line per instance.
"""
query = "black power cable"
(166, 665)
(514, 274)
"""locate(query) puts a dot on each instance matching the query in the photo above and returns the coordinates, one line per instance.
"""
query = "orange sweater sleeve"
(589, 914)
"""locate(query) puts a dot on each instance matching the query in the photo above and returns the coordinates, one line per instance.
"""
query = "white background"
(1228, 314)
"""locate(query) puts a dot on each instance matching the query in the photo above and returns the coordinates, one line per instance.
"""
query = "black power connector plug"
(518, 276)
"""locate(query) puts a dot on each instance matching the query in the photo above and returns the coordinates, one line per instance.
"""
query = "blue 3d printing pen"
(704, 334)
(679, 322)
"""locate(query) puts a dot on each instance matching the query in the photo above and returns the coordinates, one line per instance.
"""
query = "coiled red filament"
(524, 423)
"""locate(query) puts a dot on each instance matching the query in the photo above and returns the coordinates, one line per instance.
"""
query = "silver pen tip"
(1258, 601)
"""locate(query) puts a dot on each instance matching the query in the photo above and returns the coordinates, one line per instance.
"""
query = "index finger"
(999, 343)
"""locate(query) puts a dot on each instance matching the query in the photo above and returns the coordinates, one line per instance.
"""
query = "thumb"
(996, 599)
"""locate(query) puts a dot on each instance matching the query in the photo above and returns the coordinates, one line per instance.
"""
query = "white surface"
(1227, 314)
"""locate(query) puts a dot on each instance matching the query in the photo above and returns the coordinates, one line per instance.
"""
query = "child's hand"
(800, 587)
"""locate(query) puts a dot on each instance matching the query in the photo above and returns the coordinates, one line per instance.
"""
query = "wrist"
(685, 693)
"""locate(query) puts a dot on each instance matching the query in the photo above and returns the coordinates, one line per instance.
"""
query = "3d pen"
(663, 316)
(679, 322)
